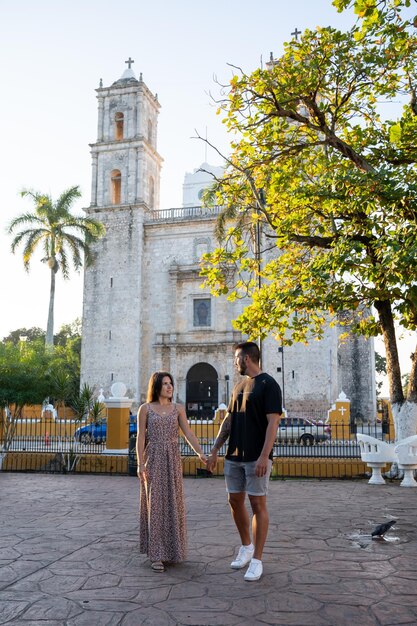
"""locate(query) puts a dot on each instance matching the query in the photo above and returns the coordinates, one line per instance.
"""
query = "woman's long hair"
(155, 385)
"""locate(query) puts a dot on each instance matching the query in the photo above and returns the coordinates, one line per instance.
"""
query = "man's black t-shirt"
(251, 401)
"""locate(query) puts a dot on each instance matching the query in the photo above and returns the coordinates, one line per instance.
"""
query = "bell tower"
(124, 187)
(126, 164)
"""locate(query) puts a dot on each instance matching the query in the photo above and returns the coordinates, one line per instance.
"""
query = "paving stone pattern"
(69, 556)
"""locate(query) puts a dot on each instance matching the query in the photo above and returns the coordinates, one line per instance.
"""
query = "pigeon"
(380, 530)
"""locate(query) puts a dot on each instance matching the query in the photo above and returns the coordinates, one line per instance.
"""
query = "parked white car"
(302, 430)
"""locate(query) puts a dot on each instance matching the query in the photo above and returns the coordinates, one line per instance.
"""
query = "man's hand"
(261, 466)
(212, 461)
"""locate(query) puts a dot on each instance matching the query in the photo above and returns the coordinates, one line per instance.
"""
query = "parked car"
(96, 432)
(302, 430)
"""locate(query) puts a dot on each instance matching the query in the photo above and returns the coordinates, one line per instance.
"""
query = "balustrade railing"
(182, 213)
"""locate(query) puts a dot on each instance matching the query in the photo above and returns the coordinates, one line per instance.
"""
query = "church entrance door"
(202, 392)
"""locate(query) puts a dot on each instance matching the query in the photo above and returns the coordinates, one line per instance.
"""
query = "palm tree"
(60, 234)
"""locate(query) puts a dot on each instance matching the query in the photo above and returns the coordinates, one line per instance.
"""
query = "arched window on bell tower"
(150, 131)
(116, 187)
(151, 193)
(119, 122)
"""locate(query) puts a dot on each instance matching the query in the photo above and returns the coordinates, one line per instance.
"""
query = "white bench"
(376, 454)
(406, 451)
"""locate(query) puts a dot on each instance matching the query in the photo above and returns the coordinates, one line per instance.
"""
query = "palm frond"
(85, 226)
(21, 220)
(35, 195)
(89, 256)
(93, 227)
(66, 199)
(31, 242)
(76, 245)
(25, 234)
(43, 203)
(62, 260)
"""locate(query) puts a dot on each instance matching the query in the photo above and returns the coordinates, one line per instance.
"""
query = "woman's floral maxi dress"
(163, 533)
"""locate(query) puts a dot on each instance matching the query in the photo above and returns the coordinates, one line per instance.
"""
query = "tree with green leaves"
(30, 373)
(68, 336)
(69, 333)
(25, 334)
(25, 373)
(61, 235)
(320, 194)
(65, 357)
(83, 402)
(381, 17)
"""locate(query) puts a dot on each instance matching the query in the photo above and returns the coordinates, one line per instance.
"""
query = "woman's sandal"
(158, 566)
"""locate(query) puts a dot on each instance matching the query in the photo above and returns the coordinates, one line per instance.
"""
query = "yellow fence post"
(118, 417)
(339, 417)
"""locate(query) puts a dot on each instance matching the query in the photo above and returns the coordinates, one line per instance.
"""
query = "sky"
(52, 57)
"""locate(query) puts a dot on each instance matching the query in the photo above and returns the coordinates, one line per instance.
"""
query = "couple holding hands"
(250, 427)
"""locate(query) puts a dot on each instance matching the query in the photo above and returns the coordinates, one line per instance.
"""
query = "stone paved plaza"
(69, 556)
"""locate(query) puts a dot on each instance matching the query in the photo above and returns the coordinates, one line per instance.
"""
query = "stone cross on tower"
(294, 34)
(129, 62)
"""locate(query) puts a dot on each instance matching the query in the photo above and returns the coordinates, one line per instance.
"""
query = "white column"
(106, 122)
(139, 175)
(100, 119)
(94, 156)
(139, 114)
(131, 175)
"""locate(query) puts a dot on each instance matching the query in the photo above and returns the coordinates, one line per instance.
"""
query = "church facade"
(144, 308)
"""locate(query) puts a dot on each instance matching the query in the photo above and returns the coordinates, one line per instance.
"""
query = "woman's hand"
(141, 471)
(203, 458)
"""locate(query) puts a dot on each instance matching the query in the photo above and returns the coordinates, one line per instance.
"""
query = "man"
(250, 424)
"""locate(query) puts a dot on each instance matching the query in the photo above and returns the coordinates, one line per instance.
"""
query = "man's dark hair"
(251, 349)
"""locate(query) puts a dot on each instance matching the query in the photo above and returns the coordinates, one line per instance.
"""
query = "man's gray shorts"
(240, 476)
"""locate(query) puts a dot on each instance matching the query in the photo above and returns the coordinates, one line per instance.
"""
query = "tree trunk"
(49, 340)
(404, 411)
(412, 384)
(9, 429)
(405, 419)
(391, 352)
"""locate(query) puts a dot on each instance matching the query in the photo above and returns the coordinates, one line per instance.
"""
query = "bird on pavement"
(381, 529)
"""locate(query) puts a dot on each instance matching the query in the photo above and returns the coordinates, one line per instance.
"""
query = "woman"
(162, 511)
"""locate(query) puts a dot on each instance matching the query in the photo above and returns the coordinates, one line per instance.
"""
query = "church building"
(144, 308)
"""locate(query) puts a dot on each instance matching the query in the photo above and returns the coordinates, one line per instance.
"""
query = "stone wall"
(111, 307)
(356, 375)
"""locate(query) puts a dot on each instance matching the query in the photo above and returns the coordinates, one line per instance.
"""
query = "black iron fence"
(70, 446)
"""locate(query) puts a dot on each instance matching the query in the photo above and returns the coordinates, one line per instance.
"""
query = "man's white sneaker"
(244, 555)
(254, 571)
